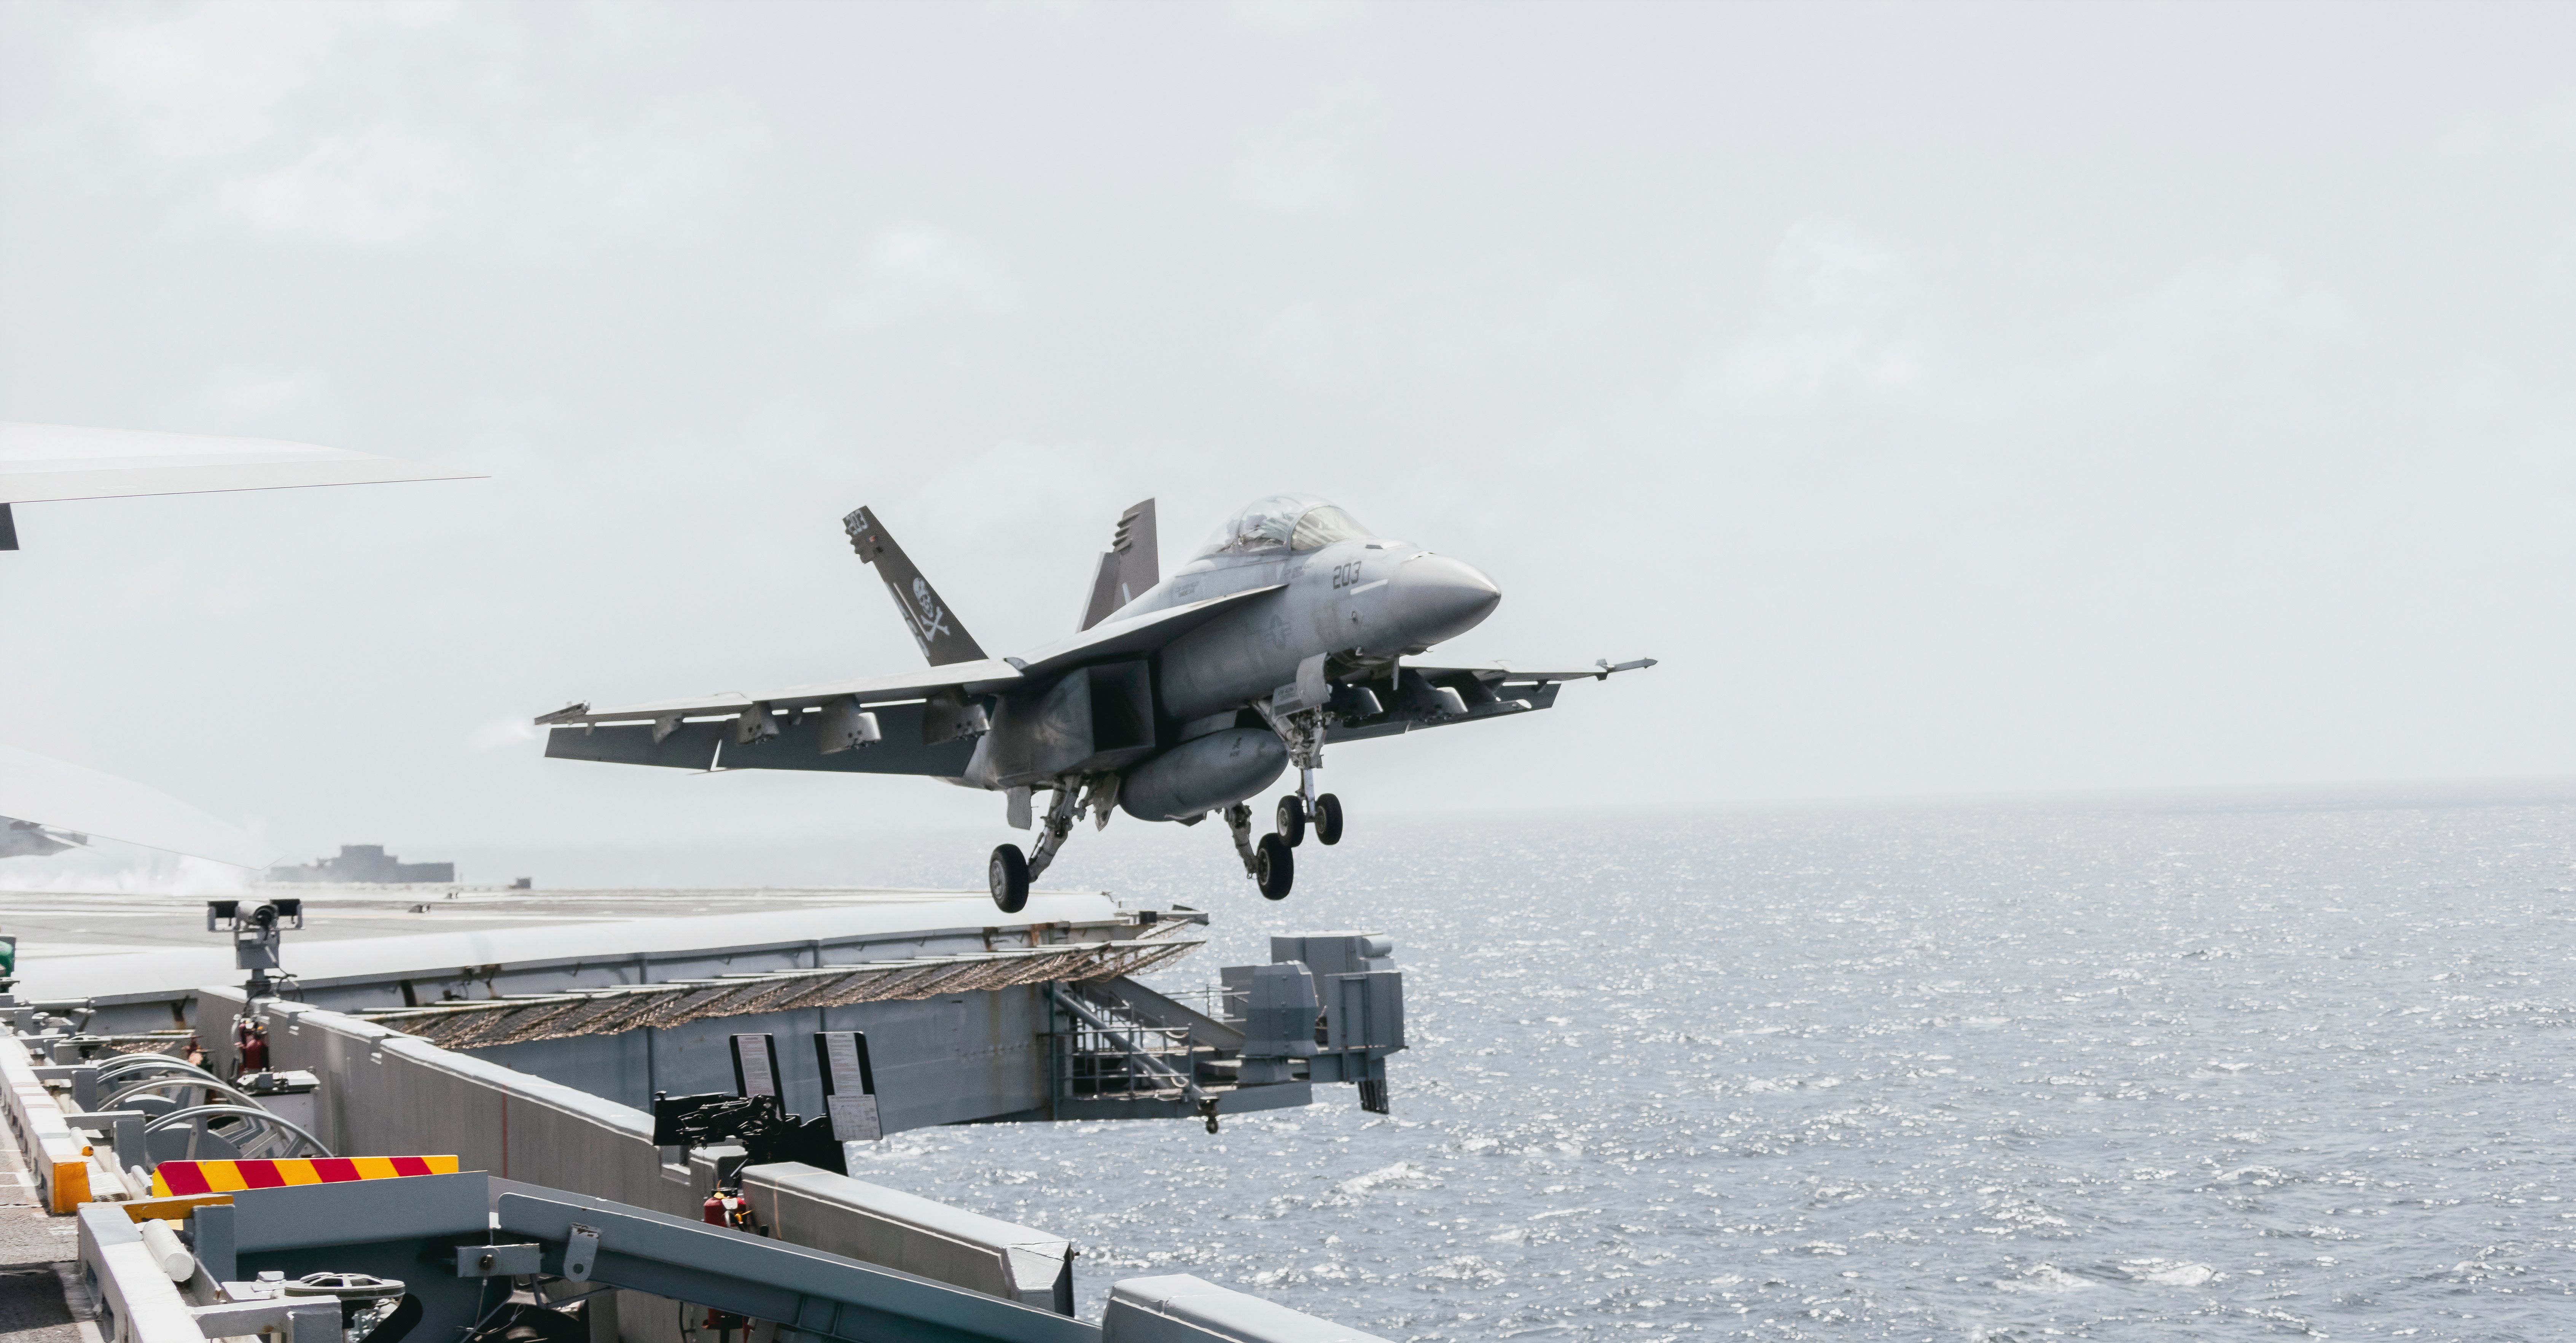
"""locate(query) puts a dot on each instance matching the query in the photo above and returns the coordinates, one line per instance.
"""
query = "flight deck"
(645, 1061)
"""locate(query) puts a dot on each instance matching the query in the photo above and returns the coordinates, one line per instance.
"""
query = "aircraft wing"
(1439, 696)
(62, 796)
(970, 678)
(983, 677)
(785, 729)
(41, 462)
(917, 714)
(1139, 634)
(1513, 673)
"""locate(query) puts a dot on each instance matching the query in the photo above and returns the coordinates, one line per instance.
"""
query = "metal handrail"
(196, 1112)
(205, 1083)
(126, 1063)
(1122, 1036)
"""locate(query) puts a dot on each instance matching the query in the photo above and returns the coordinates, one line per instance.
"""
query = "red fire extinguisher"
(727, 1208)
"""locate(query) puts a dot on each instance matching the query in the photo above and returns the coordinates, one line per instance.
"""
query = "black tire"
(1278, 866)
(1009, 874)
(1292, 819)
(1328, 819)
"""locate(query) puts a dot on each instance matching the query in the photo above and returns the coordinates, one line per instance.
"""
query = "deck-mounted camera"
(255, 931)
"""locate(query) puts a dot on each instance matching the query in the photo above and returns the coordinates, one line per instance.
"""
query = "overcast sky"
(1955, 398)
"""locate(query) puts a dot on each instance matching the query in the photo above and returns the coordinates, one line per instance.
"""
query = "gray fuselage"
(1360, 603)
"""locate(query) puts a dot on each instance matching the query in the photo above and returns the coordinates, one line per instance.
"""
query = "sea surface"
(2223, 1066)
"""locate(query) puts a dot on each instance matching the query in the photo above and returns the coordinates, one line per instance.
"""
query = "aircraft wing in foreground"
(44, 462)
(49, 805)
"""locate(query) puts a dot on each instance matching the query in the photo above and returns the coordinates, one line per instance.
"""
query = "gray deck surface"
(55, 924)
(32, 1308)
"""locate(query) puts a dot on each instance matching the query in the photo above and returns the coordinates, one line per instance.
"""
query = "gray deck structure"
(533, 1053)
(971, 1016)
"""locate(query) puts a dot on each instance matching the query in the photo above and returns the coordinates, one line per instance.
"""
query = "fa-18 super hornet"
(1179, 697)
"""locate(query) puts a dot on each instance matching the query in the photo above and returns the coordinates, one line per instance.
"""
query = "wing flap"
(795, 744)
(971, 678)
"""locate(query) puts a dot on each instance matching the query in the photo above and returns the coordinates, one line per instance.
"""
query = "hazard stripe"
(179, 1178)
(298, 1171)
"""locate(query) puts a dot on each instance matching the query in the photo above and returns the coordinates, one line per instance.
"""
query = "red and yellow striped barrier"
(224, 1177)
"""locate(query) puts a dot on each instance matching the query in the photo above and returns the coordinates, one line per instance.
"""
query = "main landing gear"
(1010, 874)
(1269, 863)
(1295, 814)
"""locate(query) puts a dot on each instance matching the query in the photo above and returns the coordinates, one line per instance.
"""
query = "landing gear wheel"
(1277, 867)
(1328, 819)
(1292, 820)
(1009, 873)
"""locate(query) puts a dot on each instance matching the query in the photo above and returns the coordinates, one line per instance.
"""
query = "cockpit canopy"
(1283, 522)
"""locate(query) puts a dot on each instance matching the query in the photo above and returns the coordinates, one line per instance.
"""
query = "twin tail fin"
(1127, 568)
(943, 638)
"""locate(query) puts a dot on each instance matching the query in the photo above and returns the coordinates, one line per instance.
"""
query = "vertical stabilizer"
(1127, 568)
(936, 628)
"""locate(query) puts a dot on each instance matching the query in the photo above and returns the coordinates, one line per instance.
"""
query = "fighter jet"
(1177, 699)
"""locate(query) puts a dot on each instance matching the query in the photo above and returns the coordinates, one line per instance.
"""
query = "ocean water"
(2222, 1067)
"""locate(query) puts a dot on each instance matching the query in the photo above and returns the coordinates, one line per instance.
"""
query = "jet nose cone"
(1435, 597)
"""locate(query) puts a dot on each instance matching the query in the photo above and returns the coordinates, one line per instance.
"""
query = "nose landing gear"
(1274, 868)
(1270, 863)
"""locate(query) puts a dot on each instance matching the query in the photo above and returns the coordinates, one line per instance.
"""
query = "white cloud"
(1307, 346)
(913, 268)
(1853, 326)
(1847, 323)
(259, 401)
(1294, 16)
(399, 126)
(1299, 165)
(2547, 122)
